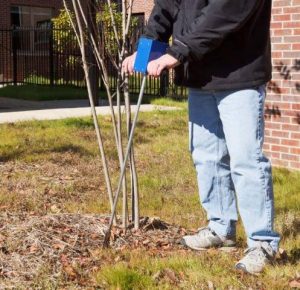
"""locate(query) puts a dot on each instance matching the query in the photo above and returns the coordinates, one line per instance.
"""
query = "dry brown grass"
(69, 246)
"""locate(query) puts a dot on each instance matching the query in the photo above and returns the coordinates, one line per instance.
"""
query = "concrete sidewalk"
(54, 114)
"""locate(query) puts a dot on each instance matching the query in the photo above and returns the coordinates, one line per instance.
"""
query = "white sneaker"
(206, 238)
(256, 259)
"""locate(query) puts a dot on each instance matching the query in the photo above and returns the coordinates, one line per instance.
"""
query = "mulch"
(69, 245)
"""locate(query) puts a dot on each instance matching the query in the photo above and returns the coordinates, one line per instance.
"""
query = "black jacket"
(221, 44)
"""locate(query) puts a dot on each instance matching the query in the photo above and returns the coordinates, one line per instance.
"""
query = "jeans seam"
(263, 180)
(217, 172)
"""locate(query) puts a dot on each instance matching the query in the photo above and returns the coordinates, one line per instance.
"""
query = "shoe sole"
(221, 247)
(243, 269)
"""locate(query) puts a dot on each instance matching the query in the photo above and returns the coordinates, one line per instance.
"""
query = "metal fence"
(48, 56)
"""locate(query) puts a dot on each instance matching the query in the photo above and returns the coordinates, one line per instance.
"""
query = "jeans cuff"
(274, 243)
(223, 230)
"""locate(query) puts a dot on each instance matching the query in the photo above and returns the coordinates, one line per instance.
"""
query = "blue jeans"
(226, 137)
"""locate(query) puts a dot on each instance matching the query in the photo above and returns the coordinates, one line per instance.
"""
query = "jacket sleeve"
(160, 23)
(216, 21)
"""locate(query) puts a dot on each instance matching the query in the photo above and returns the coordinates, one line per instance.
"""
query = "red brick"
(290, 54)
(272, 140)
(291, 98)
(280, 106)
(295, 17)
(295, 135)
(268, 133)
(291, 127)
(277, 10)
(296, 46)
(296, 76)
(271, 125)
(296, 106)
(290, 113)
(289, 157)
(281, 3)
(282, 32)
(285, 91)
(281, 119)
(287, 84)
(277, 25)
(295, 165)
(295, 151)
(296, 120)
(280, 148)
(292, 39)
(278, 64)
(291, 10)
(274, 155)
(289, 142)
(281, 46)
(273, 97)
(283, 17)
(281, 134)
(277, 39)
(292, 24)
(277, 54)
(295, 91)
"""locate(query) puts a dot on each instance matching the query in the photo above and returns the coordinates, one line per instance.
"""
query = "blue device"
(148, 50)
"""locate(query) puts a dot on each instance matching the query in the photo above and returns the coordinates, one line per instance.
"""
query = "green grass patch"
(140, 270)
(63, 92)
(123, 277)
(43, 92)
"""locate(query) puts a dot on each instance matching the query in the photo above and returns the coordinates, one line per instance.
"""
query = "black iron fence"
(48, 56)
(33, 56)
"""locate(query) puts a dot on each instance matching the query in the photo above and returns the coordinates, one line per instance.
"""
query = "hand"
(166, 61)
(128, 64)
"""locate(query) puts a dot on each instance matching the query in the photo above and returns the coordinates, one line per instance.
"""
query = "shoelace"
(258, 252)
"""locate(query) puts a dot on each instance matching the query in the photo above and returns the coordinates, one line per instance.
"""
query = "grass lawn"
(48, 93)
(43, 92)
(56, 163)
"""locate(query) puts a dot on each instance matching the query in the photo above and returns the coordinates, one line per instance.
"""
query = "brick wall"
(282, 112)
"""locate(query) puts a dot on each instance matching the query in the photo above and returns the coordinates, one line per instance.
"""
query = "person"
(221, 52)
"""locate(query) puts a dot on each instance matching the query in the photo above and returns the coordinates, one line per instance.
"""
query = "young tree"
(107, 38)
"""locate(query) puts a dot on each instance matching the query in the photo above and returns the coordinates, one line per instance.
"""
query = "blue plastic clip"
(148, 50)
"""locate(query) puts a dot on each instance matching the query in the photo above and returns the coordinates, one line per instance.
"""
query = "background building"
(143, 8)
(27, 12)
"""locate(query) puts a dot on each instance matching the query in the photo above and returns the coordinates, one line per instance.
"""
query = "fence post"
(14, 55)
(51, 57)
(164, 83)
